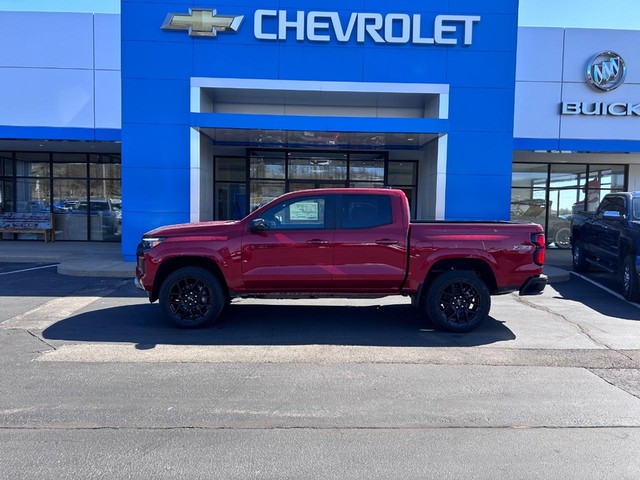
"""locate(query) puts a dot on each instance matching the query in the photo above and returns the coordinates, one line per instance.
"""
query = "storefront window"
(264, 191)
(267, 165)
(81, 190)
(231, 169)
(32, 164)
(548, 194)
(274, 172)
(402, 173)
(366, 170)
(317, 166)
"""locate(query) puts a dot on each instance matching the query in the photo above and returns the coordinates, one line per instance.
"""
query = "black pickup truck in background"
(609, 238)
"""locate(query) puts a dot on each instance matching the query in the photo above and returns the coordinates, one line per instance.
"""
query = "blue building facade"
(237, 84)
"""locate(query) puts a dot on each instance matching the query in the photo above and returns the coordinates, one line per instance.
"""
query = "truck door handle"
(317, 241)
(386, 241)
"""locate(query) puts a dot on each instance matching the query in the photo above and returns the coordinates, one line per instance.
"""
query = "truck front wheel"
(458, 301)
(630, 279)
(580, 263)
(191, 297)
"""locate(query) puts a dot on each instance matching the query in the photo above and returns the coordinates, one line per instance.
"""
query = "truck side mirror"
(612, 215)
(258, 225)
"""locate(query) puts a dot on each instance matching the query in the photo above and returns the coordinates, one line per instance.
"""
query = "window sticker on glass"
(304, 211)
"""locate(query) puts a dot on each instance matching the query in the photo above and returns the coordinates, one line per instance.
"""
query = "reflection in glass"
(32, 195)
(230, 169)
(402, 173)
(67, 195)
(366, 170)
(317, 166)
(231, 201)
(568, 176)
(263, 191)
(529, 175)
(267, 165)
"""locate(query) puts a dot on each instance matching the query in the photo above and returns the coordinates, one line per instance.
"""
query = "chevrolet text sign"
(398, 28)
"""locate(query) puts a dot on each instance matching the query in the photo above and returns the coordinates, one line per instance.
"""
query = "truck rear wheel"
(630, 279)
(192, 297)
(458, 301)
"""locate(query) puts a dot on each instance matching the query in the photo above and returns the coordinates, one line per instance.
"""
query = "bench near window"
(14, 222)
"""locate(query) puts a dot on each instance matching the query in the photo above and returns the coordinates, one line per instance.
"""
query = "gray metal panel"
(539, 56)
(108, 99)
(107, 41)
(54, 40)
(46, 97)
(537, 111)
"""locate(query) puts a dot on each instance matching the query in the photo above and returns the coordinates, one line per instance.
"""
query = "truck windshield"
(636, 208)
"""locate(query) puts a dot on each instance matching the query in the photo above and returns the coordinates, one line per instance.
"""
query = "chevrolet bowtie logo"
(202, 23)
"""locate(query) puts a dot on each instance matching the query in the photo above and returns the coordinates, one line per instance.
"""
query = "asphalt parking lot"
(96, 383)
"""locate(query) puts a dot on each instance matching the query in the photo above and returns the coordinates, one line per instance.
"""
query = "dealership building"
(190, 111)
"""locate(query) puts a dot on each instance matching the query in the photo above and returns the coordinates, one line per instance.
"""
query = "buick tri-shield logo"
(606, 71)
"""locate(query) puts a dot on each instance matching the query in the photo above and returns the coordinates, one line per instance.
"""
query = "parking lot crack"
(561, 317)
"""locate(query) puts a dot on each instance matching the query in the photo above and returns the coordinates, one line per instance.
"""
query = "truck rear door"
(370, 243)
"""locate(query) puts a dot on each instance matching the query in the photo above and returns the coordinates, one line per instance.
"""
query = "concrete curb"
(100, 268)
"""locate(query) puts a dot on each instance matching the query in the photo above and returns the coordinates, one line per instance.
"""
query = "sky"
(616, 14)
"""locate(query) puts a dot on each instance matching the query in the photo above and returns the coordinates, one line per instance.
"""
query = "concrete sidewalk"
(81, 259)
(98, 259)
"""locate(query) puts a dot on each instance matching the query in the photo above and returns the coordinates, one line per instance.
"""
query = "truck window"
(636, 208)
(299, 213)
(365, 211)
(618, 206)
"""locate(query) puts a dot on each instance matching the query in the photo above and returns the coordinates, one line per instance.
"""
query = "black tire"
(630, 279)
(580, 263)
(457, 301)
(192, 297)
(562, 238)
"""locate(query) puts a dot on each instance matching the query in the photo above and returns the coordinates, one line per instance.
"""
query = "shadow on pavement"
(595, 298)
(391, 325)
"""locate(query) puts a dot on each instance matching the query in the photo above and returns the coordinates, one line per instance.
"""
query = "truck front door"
(292, 251)
(607, 226)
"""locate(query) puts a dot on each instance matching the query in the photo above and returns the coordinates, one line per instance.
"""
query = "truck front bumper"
(535, 285)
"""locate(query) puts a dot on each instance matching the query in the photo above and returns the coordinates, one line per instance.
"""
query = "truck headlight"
(149, 242)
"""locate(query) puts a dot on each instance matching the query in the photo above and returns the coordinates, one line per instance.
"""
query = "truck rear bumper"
(534, 286)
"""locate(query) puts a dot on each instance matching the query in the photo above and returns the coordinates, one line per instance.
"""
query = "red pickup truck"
(340, 243)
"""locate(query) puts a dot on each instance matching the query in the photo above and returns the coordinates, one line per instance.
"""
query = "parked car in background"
(103, 208)
(609, 238)
(558, 230)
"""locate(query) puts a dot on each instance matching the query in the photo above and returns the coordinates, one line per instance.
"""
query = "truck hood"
(191, 229)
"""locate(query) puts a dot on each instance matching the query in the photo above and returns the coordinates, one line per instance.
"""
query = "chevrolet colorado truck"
(340, 243)
(609, 238)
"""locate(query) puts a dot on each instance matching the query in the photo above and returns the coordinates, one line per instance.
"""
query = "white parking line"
(608, 290)
(28, 269)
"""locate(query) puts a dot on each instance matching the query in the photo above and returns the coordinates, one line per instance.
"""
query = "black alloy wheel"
(192, 297)
(458, 301)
